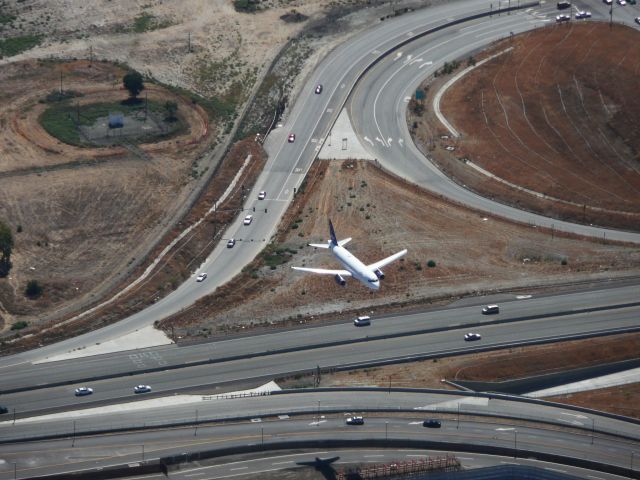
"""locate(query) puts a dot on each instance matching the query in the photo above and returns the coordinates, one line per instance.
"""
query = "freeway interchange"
(372, 74)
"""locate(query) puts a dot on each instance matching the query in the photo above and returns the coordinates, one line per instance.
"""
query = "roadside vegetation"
(13, 46)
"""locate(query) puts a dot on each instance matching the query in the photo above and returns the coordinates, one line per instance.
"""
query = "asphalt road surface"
(436, 333)
(567, 432)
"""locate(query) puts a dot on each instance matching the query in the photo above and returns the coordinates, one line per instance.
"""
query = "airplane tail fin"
(334, 240)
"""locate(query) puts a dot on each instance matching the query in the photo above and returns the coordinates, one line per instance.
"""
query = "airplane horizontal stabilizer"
(319, 245)
(387, 261)
(342, 243)
(324, 271)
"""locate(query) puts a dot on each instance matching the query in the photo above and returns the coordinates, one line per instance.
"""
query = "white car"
(622, 3)
(319, 89)
(608, 2)
(201, 277)
(262, 195)
(141, 389)
(231, 242)
(583, 14)
(247, 220)
(292, 138)
(563, 18)
(470, 337)
(82, 391)
(638, 20)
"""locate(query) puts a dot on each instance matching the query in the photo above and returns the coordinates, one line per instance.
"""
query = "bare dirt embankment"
(473, 253)
(554, 115)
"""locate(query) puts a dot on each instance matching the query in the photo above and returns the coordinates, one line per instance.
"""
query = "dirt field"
(473, 253)
(78, 209)
(554, 115)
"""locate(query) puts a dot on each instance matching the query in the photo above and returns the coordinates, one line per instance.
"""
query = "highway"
(268, 419)
(436, 333)
(378, 106)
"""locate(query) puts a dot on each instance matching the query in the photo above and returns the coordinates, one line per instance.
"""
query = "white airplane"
(369, 275)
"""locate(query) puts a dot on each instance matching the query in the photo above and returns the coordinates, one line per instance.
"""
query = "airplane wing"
(324, 271)
(387, 261)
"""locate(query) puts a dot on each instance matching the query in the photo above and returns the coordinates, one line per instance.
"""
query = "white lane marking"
(367, 139)
(238, 468)
(378, 139)
(375, 52)
(419, 456)
(318, 422)
(572, 422)
(523, 297)
(195, 474)
(282, 463)
(398, 56)
(401, 142)
(415, 423)
(389, 140)
(372, 456)
(425, 64)
(555, 469)
(505, 429)
(573, 415)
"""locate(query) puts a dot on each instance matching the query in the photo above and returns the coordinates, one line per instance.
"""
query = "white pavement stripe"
(238, 468)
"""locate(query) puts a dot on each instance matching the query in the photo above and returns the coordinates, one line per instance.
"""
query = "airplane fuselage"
(358, 270)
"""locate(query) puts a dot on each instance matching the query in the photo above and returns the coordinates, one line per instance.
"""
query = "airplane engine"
(379, 273)
(340, 281)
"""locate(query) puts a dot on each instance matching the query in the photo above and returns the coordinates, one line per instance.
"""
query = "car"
(583, 14)
(362, 321)
(638, 20)
(319, 89)
(3, 410)
(622, 3)
(141, 389)
(608, 2)
(292, 138)
(563, 18)
(248, 219)
(489, 309)
(470, 337)
(355, 421)
(231, 242)
(262, 195)
(201, 277)
(563, 4)
(82, 391)
(431, 423)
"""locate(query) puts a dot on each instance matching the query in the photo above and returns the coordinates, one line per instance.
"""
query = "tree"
(6, 245)
(132, 81)
(171, 108)
(34, 289)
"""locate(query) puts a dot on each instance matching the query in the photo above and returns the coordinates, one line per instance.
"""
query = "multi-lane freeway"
(51, 385)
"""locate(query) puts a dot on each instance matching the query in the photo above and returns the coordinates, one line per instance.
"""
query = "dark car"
(431, 423)
(355, 421)
(564, 4)
(3, 410)
(318, 89)
(472, 337)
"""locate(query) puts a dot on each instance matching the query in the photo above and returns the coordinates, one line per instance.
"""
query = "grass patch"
(5, 19)
(16, 45)
(60, 120)
(145, 22)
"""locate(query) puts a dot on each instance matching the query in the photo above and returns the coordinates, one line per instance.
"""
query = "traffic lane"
(131, 361)
(125, 448)
(316, 403)
(438, 343)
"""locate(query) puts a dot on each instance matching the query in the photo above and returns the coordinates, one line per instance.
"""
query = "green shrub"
(431, 264)
(34, 289)
(19, 325)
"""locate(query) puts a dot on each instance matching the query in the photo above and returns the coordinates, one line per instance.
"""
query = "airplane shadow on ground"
(323, 466)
